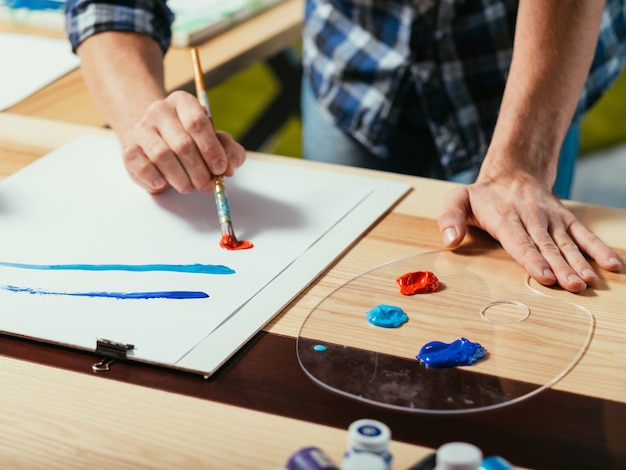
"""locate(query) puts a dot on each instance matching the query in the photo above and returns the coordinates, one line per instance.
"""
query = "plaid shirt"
(150, 17)
(362, 56)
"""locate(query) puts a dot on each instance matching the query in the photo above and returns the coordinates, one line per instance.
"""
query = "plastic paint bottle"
(368, 436)
(364, 461)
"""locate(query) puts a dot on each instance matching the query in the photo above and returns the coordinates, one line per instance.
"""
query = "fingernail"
(615, 261)
(574, 278)
(589, 273)
(590, 277)
(549, 274)
(158, 182)
(449, 235)
(219, 167)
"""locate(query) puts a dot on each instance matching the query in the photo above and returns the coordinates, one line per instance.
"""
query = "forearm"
(124, 73)
(554, 46)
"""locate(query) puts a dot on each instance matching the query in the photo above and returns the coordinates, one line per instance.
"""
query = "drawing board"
(83, 246)
(198, 20)
(194, 20)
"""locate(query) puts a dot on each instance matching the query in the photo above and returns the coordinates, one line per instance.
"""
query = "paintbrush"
(229, 240)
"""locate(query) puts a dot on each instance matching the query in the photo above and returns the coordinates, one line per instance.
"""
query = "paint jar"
(459, 456)
(368, 436)
(310, 458)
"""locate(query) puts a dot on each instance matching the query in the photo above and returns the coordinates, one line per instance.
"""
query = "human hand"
(532, 225)
(175, 145)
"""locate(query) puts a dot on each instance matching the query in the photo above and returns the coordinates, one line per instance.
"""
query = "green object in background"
(605, 125)
(236, 103)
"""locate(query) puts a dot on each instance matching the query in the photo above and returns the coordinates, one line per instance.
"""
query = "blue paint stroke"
(461, 352)
(386, 316)
(115, 295)
(36, 4)
(320, 348)
(179, 268)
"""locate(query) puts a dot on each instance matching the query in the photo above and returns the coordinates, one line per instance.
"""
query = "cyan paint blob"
(461, 352)
(320, 347)
(115, 295)
(386, 316)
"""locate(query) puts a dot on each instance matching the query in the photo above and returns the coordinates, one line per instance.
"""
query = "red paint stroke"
(230, 243)
(418, 282)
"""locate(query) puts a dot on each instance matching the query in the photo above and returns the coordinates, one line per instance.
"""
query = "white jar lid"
(458, 456)
(369, 435)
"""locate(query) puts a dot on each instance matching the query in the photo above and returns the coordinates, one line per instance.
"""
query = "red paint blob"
(230, 243)
(418, 282)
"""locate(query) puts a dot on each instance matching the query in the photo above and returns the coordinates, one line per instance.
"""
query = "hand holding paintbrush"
(229, 240)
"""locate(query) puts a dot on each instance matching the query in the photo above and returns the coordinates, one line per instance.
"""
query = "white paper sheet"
(78, 206)
(29, 63)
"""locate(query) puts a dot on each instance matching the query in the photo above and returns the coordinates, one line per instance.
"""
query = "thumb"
(453, 217)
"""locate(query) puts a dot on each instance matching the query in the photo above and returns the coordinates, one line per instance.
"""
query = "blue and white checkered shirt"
(362, 56)
(87, 17)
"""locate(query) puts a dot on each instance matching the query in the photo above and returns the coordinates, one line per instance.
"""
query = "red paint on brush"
(230, 243)
(418, 282)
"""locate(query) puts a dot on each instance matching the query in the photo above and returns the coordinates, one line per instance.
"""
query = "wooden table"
(260, 407)
(252, 41)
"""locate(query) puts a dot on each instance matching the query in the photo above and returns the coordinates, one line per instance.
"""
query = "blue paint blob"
(386, 316)
(115, 295)
(179, 268)
(320, 347)
(461, 352)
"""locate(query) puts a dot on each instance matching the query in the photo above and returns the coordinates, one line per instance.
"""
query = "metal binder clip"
(103, 366)
(109, 351)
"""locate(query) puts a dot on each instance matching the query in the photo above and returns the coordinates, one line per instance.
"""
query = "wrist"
(528, 145)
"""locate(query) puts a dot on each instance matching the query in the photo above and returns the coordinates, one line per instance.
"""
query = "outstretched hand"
(532, 225)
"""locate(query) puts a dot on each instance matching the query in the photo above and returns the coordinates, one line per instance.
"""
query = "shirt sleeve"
(85, 18)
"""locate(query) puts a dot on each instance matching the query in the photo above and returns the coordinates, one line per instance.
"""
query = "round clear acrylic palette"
(531, 340)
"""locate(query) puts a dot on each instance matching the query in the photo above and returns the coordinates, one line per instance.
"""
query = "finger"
(158, 135)
(235, 153)
(142, 171)
(594, 247)
(208, 148)
(453, 218)
(574, 256)
(158, 118)
(562, 255)
(163, 157)
(515, 239)
(185, 150)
